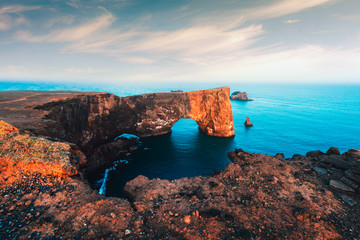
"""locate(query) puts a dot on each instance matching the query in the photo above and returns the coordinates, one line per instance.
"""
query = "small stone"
(113, 215)
(348, 200)
(171, 213)
(280, 155)
(187, 219)
(127, 232)
(340, 186)
(320, 170)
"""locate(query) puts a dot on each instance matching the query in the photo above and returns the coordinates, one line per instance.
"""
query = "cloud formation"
(219, 39)
(7, 20)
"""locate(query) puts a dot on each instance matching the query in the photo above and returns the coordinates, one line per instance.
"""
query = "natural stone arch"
(94, 119)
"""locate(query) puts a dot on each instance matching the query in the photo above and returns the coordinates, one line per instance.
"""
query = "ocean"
(287, 118)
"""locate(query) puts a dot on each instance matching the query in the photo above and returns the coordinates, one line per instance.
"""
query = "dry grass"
(29, 149)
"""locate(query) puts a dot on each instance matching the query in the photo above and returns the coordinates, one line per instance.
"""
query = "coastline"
(255, 196)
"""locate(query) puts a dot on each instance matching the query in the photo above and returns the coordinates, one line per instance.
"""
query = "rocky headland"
(44, 192)
(242, 96)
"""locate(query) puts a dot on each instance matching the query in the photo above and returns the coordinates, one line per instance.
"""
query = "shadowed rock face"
(93, 119)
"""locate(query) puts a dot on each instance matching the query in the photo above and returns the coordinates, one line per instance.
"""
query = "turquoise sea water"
(291, 119)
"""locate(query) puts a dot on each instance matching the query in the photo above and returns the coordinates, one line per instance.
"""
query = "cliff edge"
(92, 119)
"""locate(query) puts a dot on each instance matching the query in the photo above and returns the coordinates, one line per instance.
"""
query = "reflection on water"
(186, 152)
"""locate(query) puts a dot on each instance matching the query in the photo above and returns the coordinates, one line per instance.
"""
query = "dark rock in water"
(280, 155)
(242, 96)
(320, 170)
(333, 150)
(315, 154)
(340, 186)
(248, 123)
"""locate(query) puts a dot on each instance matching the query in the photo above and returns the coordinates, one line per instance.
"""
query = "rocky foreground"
(43, 195)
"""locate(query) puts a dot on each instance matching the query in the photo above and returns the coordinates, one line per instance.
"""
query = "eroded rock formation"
(94, 119)
(255, 197)
(247, 123)
(242, 96)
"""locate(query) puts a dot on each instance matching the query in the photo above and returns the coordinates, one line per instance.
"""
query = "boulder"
(352, 155)
(315, 154)
(333, 150)
(337, 161)
(320, 170)
(340, 186)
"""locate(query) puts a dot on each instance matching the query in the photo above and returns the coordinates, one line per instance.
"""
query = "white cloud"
(306, 63)
(12, 70)
(74, 3)
(7, 21)
(281, 8)
(289, 21)
(86, 70)
(70, 34)
(60, 20)
(17, 9)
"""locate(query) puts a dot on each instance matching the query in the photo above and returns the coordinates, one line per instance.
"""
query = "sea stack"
(248, 123)
(242, 96)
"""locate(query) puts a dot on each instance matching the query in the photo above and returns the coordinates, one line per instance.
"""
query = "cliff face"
(212, 111)
(94, 119)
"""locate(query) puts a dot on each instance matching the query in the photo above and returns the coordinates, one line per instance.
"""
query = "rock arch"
(94, 119)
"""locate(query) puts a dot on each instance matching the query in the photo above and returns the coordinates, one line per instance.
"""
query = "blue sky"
(292, 41)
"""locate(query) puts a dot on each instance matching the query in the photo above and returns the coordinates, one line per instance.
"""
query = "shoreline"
(251, 198)
(44, 192)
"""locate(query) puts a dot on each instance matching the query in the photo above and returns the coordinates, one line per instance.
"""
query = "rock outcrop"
(242, 96)
(255, 197)
(247, 123)
(93, 119)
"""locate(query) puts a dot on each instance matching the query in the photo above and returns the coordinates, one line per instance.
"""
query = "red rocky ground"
(255, 197)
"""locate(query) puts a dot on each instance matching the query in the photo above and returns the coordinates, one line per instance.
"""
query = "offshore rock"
(247, 123)
(242, 96)
(92, 119)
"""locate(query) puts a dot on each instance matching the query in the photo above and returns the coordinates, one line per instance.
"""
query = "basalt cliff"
(93, 119)
(43, 193)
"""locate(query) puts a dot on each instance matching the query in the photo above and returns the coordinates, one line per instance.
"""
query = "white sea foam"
(106, 177)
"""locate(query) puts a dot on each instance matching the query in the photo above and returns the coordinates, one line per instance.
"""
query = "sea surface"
(289, 119)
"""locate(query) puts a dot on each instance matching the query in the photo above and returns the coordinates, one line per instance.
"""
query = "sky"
(242, 41)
